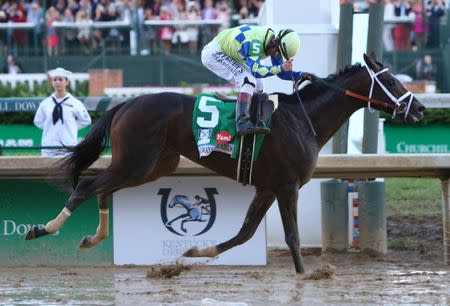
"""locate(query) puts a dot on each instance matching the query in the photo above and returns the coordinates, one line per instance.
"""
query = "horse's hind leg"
(166, 164)
(104, 183)
(103, 225)
(287, 197)
(261, 202)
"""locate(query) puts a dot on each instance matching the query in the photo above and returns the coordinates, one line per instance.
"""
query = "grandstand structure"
(129, 36)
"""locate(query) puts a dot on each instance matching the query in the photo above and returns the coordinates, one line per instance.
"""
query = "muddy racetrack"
(414, 275)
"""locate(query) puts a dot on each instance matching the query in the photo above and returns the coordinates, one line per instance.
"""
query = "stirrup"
(250, 128)
(262, 127)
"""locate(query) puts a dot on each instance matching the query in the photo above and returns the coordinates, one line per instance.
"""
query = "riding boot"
(261, 98)
(243, 124)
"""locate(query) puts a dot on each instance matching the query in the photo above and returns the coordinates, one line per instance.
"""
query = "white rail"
(38, 78)
(199, 22)
(188, 90)
(434, 100)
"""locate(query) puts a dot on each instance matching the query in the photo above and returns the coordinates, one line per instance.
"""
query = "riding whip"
(302, 107)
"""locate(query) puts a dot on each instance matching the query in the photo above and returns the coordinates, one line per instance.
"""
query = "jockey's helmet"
(288, 43)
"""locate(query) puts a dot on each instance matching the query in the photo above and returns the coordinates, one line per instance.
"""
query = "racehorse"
(193, 213)
(149, 133)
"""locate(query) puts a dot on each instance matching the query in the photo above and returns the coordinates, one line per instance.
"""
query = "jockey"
(235, 54)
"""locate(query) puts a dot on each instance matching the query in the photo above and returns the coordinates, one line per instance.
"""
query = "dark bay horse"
(149, 133)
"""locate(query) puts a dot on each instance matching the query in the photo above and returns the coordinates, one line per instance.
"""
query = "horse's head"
(178, 199)
(385, 87)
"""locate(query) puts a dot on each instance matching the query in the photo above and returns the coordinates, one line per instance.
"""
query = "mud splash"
(167, 271)
(324, 272)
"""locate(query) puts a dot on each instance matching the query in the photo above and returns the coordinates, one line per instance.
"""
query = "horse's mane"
(180, 196)
(314, 89)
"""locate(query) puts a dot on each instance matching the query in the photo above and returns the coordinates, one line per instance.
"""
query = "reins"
(357, 95)
(398, 105)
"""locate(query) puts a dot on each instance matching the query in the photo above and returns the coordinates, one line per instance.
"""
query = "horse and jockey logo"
(183, 216)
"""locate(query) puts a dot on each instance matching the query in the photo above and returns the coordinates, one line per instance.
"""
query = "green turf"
(413, 197)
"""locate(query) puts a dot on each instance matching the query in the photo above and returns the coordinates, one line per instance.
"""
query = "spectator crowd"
(64, 39)
(409, 24)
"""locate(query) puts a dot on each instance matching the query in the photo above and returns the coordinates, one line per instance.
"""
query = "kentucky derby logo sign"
(184, 216)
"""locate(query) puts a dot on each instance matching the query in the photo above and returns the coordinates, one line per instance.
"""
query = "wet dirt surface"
(399, 277)
(416, 276)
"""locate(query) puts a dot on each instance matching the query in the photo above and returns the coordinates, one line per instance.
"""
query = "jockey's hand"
(306, 76)
(287, 65)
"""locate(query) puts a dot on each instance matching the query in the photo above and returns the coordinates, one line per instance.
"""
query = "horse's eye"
(392, 82)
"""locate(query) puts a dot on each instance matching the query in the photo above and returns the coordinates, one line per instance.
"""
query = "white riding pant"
(226, 67)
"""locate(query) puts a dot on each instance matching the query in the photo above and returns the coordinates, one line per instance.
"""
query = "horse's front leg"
(175, 219)
(103, 226)
(261, 202)
(287, 197)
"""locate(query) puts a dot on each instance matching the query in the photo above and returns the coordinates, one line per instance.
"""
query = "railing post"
(344, 58)
(334, 204)
(375, 45)
(372, 216)
(44, 35)
(446, 218)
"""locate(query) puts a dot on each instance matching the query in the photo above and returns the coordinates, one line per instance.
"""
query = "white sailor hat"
(59, 72)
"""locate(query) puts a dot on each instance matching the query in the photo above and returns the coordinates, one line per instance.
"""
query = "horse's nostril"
(421, 109)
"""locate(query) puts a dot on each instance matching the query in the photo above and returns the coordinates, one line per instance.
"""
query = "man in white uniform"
(60, 116)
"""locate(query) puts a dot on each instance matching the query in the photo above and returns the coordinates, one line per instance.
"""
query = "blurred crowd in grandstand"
(409, 24)
(61, 38)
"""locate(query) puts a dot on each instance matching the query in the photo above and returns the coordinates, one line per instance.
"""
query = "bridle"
(400, 106)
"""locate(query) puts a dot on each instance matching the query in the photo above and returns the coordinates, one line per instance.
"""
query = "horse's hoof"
(86, 242)
(192, 252)
(35, 232)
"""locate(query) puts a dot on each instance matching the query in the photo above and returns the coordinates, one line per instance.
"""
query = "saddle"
(261, 109)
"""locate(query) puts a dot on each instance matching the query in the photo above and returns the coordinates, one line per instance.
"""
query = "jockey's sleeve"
(259, 70)
(285, 75)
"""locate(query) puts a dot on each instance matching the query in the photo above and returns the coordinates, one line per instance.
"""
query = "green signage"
(26, 202)
(25, 136)
(32, 104)
(423, 139)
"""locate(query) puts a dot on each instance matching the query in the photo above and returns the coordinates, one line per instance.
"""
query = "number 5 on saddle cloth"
(214, 129)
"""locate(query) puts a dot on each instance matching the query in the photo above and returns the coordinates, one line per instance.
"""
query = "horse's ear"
(370, 61)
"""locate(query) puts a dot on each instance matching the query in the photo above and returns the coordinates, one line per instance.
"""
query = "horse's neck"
(185, 205)
(331, 113)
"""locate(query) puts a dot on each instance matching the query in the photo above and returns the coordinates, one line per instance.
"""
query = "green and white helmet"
(288, 43)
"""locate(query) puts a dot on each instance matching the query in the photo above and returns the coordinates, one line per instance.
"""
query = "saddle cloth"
(214, 127)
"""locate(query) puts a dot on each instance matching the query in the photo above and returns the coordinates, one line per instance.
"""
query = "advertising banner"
(157, 222)
(412, 140)
(22, 135)
(24, 203)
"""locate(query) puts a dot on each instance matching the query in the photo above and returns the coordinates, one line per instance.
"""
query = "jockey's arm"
(259, 70)
(285, 75)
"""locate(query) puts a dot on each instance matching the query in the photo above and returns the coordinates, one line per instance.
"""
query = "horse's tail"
(89, 150)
